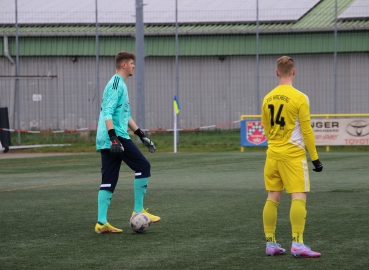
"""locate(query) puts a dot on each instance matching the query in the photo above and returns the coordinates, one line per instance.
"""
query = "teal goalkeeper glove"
(145, 140)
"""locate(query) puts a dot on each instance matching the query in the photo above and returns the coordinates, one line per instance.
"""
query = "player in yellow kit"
(286, 120)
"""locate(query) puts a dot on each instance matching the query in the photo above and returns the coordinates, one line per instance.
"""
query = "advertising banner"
(326, 131)
(341, 131)
(252, 133)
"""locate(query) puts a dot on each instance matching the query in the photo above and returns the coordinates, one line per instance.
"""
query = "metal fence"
(224, 70)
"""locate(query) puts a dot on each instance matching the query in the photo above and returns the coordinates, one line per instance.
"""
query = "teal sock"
(140, 186)
(103, 202)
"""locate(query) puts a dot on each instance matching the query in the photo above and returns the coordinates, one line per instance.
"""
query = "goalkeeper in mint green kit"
(115, 145)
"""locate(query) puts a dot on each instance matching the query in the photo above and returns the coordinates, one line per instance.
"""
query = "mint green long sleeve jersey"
(114, 106)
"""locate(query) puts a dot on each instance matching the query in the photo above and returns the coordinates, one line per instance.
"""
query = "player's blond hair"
(285, 65)
(123, 56)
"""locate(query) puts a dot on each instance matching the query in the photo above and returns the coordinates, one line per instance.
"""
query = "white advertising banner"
(341, 131)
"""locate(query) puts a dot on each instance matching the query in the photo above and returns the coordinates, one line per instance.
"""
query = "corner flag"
(177, 106)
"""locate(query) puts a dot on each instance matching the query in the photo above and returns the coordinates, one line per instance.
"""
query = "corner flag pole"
(175, 130)
(176, 109)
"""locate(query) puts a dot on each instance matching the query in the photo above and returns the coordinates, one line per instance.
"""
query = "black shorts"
(132, 156)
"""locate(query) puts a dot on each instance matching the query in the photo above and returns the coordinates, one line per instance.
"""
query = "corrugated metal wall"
(67, 101)
(193, 45)
(212, 90)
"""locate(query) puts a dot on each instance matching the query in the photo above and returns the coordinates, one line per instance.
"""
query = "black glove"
(318, 165)
(116, 148)
(145, 140)
(4, 149)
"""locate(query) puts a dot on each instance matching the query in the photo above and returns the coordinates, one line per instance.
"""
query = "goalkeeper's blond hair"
(285, 66)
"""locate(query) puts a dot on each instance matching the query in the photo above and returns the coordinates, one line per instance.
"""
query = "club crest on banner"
(255, 132)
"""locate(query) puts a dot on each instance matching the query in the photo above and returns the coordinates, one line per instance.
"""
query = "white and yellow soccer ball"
(139, 223)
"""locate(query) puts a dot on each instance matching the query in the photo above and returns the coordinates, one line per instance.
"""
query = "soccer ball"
(139, 222)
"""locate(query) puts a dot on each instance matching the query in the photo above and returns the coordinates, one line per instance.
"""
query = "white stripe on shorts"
(138, 174)
(105, 185)
(306, 174)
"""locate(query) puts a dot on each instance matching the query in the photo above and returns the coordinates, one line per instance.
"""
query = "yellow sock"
(297, 218)
(270, 219)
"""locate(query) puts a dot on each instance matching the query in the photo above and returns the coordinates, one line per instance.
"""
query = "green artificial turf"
(210, 204)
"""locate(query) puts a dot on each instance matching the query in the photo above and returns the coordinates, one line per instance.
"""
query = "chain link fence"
(224, 69)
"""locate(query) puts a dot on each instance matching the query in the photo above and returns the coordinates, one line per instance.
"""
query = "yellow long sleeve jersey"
(286, 119)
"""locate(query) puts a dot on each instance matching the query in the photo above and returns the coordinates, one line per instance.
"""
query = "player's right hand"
(116, 148)
(318, 165)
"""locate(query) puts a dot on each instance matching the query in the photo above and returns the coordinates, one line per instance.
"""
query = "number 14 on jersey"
(278, 120)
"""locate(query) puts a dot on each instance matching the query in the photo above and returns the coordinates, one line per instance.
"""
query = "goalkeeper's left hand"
(145, 140)
(318, 165)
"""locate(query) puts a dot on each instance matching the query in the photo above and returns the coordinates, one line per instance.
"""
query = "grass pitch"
(211, 209)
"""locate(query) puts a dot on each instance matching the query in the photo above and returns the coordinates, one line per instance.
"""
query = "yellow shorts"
(292, 175)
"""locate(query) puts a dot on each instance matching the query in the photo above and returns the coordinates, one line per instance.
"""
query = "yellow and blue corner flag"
(176, 105)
